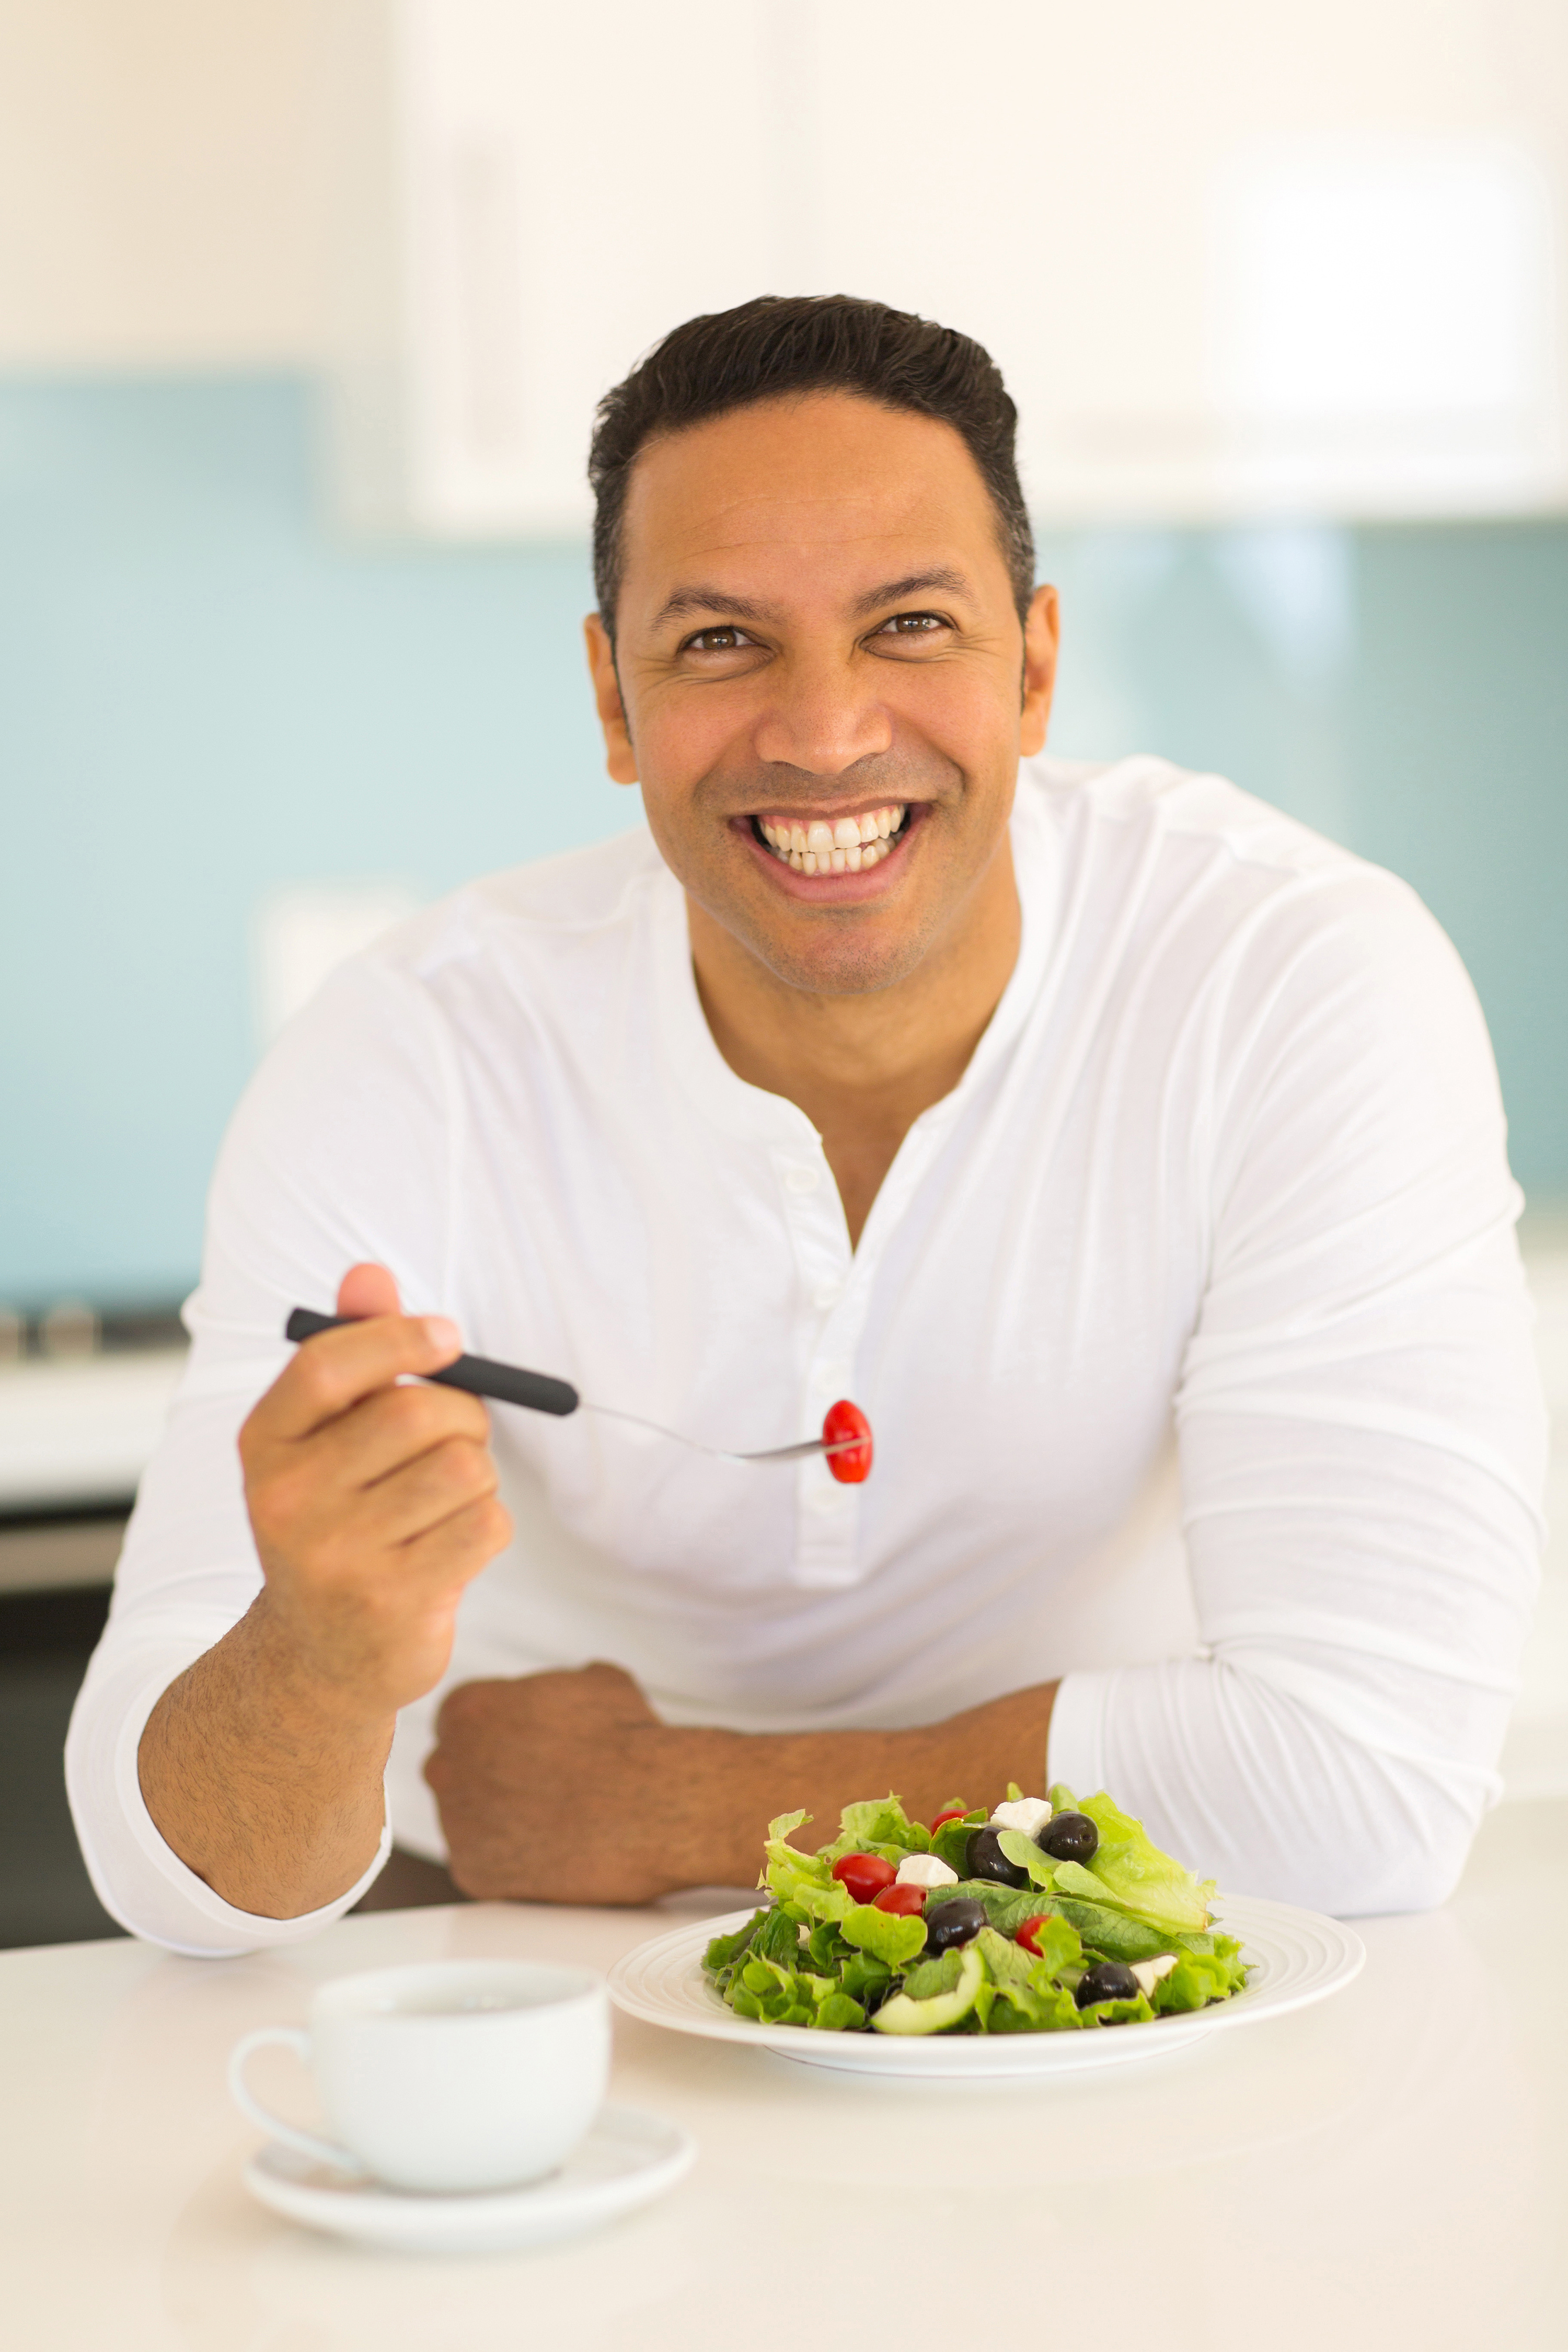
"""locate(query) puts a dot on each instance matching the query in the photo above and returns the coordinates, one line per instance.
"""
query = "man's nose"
(821, 716)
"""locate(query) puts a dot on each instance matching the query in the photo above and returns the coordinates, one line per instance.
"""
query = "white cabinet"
(1233, 258)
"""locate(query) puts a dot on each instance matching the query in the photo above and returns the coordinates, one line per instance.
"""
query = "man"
(1038, 1110)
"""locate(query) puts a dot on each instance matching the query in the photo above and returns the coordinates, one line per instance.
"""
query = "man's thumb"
(368, 1290)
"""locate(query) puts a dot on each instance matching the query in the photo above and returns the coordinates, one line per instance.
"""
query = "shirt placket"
(836, 1287)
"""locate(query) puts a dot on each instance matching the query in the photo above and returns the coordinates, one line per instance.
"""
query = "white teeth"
(848, 845)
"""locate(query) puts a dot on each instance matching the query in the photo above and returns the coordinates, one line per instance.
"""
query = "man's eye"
(725, 640)
(912, 624)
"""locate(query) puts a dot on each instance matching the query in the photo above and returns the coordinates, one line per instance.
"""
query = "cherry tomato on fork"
(902, 1901)
(864, 1875)
(845, 1419)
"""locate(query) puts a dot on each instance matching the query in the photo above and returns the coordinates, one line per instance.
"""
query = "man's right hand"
(373, 1501)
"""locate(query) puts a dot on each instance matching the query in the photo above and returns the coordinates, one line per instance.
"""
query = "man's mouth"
(845, 844)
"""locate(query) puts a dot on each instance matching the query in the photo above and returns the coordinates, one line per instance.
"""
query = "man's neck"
(862, 1067)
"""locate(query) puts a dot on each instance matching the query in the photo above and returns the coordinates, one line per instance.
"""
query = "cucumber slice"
(902, 2015)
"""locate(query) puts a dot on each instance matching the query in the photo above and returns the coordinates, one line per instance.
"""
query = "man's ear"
(1041, 635)
(619, 756)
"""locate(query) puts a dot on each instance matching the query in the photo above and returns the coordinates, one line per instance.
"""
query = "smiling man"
(1072, 1120)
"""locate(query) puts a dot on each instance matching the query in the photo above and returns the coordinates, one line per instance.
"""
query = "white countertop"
(81, 1432)
(1387, 2171)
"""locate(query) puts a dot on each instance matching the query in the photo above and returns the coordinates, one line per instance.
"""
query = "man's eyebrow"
(686, 602)
(945, 581)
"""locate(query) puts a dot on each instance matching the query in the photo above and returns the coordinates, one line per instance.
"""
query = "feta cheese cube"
(1026, 1814)
(925, 1870)
(1149, 1972)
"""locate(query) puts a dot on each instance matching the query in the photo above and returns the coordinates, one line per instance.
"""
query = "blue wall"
(205, 694)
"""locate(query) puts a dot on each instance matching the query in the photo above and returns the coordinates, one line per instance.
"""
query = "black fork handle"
(480, 1375)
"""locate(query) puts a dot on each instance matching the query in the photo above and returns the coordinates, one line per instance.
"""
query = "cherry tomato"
(864, 1874)
(854, 1463)
(904, 1901)
(954, 1813)
(1031, 1931)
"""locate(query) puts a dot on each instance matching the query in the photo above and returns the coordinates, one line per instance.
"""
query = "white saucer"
(627, 2158)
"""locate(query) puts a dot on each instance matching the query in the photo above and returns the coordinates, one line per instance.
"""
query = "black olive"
(1107, 1980)
(948, 1925)
(1068, 1837)
(985, 1859)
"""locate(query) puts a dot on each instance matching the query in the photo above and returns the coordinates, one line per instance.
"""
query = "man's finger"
(336, 1368)
(460, 1545)
(368, 1290)
(377, 1436)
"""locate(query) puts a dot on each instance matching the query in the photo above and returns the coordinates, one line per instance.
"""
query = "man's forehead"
(837, 481)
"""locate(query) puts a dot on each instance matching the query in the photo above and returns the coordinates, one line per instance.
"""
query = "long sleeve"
(1361, 1435)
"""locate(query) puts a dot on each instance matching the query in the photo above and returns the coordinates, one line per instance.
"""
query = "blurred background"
(304, 306)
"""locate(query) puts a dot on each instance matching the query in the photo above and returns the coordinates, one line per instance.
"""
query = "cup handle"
(287, 2037)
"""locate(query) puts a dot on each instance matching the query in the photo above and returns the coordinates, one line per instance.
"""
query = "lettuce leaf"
(724, 1950)
(776, 1938)
(865, 1978)
(1006, 1908)
(931, 1977)
(803, 1880)
(827, 1947)
(888, 1936)
(840, 2014)
(1195, 1980)
(1140, 1878)
(1025, 1854)
(1005, 1962)
(1061, 1946)
(1113, 1935)
(1223, 1950)
(1072, 1878)
(876, 1825)
(1116, 2012)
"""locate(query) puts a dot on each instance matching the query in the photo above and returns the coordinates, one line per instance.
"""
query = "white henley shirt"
(1191, 1326)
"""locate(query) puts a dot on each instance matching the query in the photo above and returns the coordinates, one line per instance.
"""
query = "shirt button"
(802, 1179)
(827, 1294)
(828, 1502)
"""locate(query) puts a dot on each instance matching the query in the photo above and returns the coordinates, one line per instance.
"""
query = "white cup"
(450, 2075)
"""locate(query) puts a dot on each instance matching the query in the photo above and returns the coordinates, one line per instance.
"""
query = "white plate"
(627, 2158)
(1296, 1957)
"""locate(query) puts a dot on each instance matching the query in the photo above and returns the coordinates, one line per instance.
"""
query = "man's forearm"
(566, 1787)
(265, 1784)
(971, 1756)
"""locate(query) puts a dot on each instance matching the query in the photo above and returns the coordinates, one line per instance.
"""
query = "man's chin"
(848, 952)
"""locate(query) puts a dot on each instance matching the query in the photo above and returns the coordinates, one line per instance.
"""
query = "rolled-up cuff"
(135, 1872)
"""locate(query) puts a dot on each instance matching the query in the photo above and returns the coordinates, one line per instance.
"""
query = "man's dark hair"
(781, 345)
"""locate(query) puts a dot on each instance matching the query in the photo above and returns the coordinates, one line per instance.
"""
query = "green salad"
(1043, 1916)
